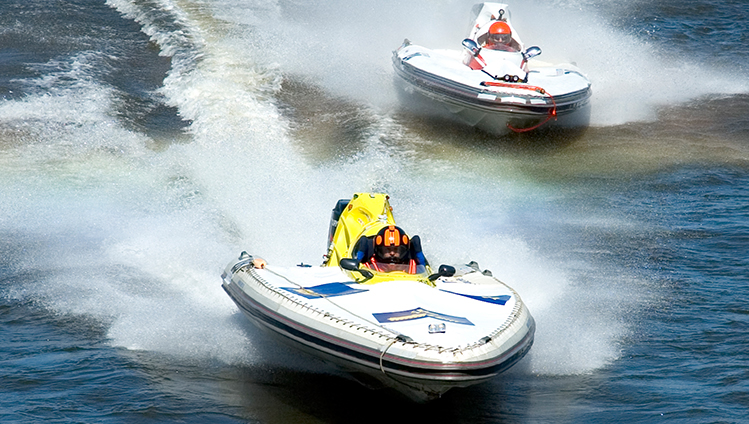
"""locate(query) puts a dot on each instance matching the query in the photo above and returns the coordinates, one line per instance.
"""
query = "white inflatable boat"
(416, 332)
(497, 88)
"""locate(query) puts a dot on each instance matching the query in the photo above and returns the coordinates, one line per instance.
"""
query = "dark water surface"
(143, 144)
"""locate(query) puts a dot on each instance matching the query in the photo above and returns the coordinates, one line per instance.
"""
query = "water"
(145, 143)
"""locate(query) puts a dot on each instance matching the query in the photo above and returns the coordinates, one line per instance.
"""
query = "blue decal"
(418, 313)
(324, 290)
(497, 300)
(412, 55)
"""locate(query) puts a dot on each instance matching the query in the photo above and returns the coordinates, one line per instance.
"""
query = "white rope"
(382, 355)
(382, 368)
(514, 316)
(335, 304)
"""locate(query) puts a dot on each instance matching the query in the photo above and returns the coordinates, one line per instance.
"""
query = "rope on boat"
(382, 368)
(399, 337)
(539, 90)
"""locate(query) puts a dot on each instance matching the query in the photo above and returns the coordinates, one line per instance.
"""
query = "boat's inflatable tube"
(416, 339)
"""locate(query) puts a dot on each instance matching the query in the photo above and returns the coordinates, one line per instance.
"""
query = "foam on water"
(141, 237)
(346, 47)
(631, 76)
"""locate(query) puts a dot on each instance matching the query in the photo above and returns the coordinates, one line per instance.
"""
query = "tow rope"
(552, 113)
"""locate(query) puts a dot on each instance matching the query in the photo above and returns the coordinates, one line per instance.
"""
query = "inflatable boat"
(496, 86)
(389, 325)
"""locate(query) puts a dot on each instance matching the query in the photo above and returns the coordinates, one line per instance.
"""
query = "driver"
(391, 250)
(500, 37)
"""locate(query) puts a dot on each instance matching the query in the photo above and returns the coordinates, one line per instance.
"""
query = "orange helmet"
(391, 245)
(500, 33)
(500, 27)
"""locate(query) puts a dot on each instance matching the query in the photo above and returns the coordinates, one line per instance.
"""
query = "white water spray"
(158, 227)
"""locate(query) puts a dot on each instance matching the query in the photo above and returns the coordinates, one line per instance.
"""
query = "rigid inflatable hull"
(382, 358)
(482, 107)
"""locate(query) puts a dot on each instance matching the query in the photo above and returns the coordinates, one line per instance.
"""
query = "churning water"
(144, 143)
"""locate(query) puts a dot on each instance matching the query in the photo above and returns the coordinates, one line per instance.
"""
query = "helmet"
(500, 32)
(391, 245)
(500, 27)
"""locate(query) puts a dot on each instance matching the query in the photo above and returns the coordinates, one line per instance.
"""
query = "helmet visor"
(391, 254)
(500, 38)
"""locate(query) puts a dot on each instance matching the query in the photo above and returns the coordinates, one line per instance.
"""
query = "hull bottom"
(492, 122)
